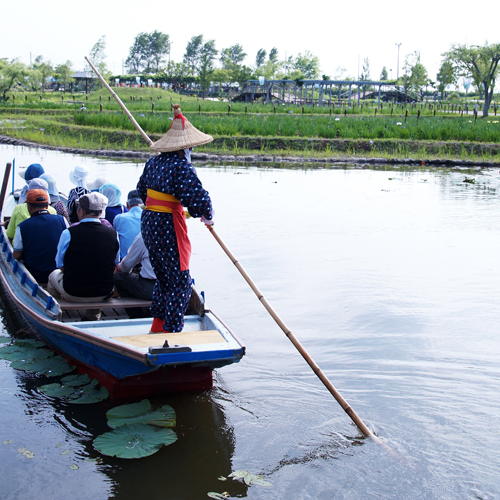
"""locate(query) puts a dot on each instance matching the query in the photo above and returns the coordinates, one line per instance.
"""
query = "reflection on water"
(388, 277)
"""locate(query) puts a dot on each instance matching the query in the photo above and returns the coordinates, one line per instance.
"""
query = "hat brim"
(179, 138)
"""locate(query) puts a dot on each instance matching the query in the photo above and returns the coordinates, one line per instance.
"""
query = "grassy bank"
(319, 132)
(62, 131)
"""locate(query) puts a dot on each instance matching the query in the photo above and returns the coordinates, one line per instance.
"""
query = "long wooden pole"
(315, 368)
(4, 184)
(119, 101)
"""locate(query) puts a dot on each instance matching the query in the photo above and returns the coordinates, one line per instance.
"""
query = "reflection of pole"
(399, 45)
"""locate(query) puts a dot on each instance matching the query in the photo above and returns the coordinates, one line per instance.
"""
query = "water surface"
(389, 278)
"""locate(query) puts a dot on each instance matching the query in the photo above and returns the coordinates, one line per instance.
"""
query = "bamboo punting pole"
(315, 368)
(4, 184)
(119, 101)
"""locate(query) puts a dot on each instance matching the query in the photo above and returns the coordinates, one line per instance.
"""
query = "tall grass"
(324, 127)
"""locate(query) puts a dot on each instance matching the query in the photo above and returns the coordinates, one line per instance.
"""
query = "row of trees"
(148, 55)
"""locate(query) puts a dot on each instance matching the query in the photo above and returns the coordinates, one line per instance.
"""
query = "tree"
(307, 64)
(11, 73)
(148, 52)
(232, 57)
(260, 58)
(192, 54)
(446, 76)
(45, 69)
(159, 47)
(365, 73)
(63, 74)
(98, 54)
(479, 63)
(208, 52)
(383, 74)
(414, 73)
(273, 55)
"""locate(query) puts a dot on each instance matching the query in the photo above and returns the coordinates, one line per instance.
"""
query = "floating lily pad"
(93, 396)
(238, 474)
(162, 417)
(76, 380)
(134, 441)
(129, 411)
(52, 367)
(256, 479)
(57, 390)
(218, 496)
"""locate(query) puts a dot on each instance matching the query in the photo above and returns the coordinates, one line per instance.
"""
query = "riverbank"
(335, 158)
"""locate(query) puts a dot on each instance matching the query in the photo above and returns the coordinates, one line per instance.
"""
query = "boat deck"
(112, 309)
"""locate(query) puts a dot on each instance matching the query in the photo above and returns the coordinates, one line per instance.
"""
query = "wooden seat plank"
(116, 302)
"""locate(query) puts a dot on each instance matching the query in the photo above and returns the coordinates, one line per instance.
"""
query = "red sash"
(162, 202)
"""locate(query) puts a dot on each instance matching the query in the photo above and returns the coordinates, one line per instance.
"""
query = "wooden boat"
(117, 350)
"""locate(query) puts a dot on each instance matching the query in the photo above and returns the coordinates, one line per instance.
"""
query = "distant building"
(84, 80)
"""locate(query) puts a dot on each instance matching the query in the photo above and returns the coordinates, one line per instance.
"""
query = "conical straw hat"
(181, 135)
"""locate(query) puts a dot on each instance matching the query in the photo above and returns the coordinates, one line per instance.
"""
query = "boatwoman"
(169, 186)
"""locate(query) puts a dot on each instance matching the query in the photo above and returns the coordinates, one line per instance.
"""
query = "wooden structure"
(328, 92)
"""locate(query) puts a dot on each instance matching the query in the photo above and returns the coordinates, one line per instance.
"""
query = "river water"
(388, 277)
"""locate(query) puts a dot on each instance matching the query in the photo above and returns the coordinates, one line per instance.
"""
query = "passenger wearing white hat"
(168, 186)
(55, 201)
(78, 176)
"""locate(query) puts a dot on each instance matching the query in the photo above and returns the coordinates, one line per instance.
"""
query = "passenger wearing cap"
(55, 200)
(78, 176)
(86, 257)
(128, 225)
(34, 171)
(37, 237)
(115, 207)
(21, 212)
(167, 186)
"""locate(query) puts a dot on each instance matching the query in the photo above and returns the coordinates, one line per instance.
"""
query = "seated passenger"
(97, 183)
(113, 194)
(20, 211)
(78, 176)
(86, 257)
(128, 225)
(129, 284)
(34, 171)
(55, 201)
(37, 237)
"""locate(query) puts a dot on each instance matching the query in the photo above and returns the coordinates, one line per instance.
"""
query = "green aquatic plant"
(134, 441)
(140, 413)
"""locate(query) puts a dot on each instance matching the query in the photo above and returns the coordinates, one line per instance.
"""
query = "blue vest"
(40, 235)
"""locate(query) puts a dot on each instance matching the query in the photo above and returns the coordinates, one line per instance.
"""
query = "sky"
(341, 38)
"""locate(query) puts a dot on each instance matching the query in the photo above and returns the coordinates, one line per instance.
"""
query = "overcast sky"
(340, 37)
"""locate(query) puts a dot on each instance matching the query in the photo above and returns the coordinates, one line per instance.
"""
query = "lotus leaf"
(85, 389)
(52, 367)
(163, 417)
(4, 340)
(238, 474)
(129, 411)
(57, 390)
(134, 441)
(259, 480)
(73, 466)
(93, 396)
(76, 380)
(31, 342)
(26, 353)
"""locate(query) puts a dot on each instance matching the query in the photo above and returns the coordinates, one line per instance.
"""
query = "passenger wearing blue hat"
(34, 171)
(113, 194)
